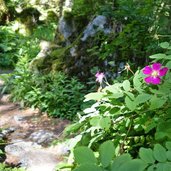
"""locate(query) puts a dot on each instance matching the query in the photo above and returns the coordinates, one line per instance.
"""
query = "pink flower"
(154, 73)
(99, 77)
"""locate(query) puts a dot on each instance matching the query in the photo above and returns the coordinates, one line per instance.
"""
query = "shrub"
(157, 158)
(134, 113)
(54, 93)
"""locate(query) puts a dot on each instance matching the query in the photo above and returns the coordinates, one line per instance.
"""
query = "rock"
(65, 28)
(7, 131)
(73, 52)
(18, 147)
(2, 136)
(19, 118)
(67, 6)
(98, 24)
(45, 48)
(61, 149)
(31, 156)
(42, 137)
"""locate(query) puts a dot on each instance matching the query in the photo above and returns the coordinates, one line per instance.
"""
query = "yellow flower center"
(155, 73)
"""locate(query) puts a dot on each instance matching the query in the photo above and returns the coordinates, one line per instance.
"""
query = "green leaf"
(151, 168)
(72, 128)
(1, 152)
(168, 145)
(130, 104)
(126, 85)
(150, 126)
(164, 45)
(163, 167)
(84, 155)
(133, 165)
(130, 95)
(73, 142)
(119, 161)
(160, 135)
(163, 130)
(158, 56)
(156, 103)
(94, 96)
(107, 152)
(95, 121)
(63, 165)
(168, 154)
(136, 80)
(115, 95)
(146, 155)
(88, 167)
(160, 153)
(142, 98)
(115, 90)
(105, 123)
(168, 64)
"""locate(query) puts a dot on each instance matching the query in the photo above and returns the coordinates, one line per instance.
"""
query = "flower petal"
(163, 71)
(147, 70)
(156, 66)
(97, 74)
(99, 77)
(148, 79)
(155, 80)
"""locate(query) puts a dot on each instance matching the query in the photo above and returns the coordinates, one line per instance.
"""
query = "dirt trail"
(25, 123)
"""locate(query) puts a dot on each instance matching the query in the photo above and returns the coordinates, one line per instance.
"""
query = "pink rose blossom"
(154, 73)
(99, 77)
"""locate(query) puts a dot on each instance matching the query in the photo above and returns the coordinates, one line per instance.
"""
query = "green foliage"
(84, 155)
(138, 27)
(85, 8)
(135, 116)
(3, 167)
(14, 45)
(45, 31)
(157, 158)
(8, 42)
(53, 93)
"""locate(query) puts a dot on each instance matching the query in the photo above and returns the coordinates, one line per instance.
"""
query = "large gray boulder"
(34, 157)
(98, 24)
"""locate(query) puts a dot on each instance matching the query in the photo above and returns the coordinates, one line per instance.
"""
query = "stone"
(68, 6)
(19, 118)
(65, 28)
(98, 24)
(39, 59)
(31, 156)
(42, 137)
(73, 52)
(2, 136)
(7, 131)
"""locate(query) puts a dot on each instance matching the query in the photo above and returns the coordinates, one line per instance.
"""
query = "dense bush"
(133, 114)
(138, 28)
(128, 116)
(156, 159)
(14, 45)
(53, 93)
(8, 42)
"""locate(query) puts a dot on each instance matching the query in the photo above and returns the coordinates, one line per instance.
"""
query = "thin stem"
(122, 145)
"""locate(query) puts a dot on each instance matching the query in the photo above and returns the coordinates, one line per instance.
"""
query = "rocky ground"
(29, 134)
